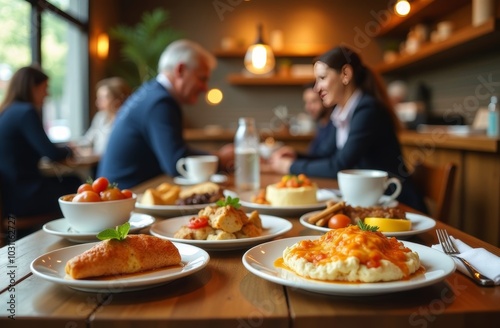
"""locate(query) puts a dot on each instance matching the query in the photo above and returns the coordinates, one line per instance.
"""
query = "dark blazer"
(323, 143)
(23, 142)
(372, 144)
(146, 139)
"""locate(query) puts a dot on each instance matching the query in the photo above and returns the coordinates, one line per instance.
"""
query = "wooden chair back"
(436, 184)
(19, 224)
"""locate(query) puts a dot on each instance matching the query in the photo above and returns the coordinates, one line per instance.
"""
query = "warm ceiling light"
(259, 58)
(102, 45)
(214, 96)
(402, 7)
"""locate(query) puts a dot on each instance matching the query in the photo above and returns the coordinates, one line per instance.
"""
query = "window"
(53, 33)
(15, 39)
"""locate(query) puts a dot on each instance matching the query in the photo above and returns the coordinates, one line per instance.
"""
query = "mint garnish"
(234, 202)
(118, 233)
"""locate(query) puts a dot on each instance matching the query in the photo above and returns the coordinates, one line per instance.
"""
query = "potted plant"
(143, 44)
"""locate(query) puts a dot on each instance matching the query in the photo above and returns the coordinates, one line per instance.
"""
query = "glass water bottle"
(247, 160)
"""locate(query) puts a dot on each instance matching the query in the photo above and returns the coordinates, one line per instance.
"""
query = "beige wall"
(313, 22)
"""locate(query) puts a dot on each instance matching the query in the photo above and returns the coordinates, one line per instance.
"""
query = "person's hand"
(226, 157)
(285, 151)
(281, 160)
(281, 165)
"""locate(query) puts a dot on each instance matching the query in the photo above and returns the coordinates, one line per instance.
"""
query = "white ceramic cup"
(366, 187)
(197, 168)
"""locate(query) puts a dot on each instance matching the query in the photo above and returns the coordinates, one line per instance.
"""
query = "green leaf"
(234, 202)
(143, 43)
(119, 233)
(366, 227)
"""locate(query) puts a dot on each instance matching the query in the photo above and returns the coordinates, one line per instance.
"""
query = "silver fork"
(449, 249)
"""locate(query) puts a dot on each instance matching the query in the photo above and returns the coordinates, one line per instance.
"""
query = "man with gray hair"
(147, 138)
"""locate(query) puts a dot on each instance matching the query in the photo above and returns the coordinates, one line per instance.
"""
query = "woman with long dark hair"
(23, 142)
(364, 121)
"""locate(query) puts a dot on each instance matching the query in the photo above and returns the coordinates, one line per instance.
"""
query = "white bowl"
(97, 216)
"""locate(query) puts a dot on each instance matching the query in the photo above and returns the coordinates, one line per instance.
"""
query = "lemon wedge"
(389, 225)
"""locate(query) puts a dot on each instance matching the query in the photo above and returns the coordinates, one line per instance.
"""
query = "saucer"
(384, 201)
(61, 227)
(216, 178)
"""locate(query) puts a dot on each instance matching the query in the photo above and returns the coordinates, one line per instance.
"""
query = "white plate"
(60, 227)
(323, 195)
(168, 210)
(419, 224)
(216, 178)
(272, 226)
(51, 266)
(260, 261)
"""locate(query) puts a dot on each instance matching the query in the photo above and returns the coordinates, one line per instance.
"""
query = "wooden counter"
(476, 199)
(213, 139)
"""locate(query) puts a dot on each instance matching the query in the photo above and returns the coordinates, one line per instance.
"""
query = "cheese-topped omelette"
(352, 254)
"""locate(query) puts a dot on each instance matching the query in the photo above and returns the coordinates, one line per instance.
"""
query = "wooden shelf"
(467, 41)
(423, 11)
(239, 79)
(295, 51)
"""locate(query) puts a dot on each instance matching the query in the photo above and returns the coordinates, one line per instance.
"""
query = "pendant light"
(259, 58)
(402, 7)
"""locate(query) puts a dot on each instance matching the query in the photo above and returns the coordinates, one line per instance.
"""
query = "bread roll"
(202, 188)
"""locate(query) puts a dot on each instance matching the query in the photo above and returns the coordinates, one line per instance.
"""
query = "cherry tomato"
(127, 193)
(84, 187)
(112, 194)
(100, 184)
(198, 222)
(87, 196)
(339, 221)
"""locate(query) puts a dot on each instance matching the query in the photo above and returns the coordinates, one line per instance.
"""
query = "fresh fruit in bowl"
(97, 205)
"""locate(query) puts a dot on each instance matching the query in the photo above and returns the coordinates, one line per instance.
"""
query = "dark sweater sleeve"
(36, 136)
(165, 134)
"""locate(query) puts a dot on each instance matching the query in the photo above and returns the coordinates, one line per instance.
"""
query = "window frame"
(37, 8)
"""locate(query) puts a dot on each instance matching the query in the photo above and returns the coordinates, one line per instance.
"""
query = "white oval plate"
(260, 259)
(419, 224)
(168, 210)
(61, 227)
(51, 266)
(323, 195)
(272, 226)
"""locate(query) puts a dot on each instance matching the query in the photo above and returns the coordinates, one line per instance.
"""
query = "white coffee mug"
(366, 187)
(197, 168)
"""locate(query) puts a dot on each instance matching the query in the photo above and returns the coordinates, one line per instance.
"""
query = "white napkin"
(485, 262)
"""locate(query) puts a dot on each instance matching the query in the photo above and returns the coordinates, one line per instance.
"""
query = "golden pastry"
(135, 253)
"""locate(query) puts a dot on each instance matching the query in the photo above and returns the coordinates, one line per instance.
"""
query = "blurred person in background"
(365, 125)
(147, 138)
(111, 93)
(23, 142)
(321, 144)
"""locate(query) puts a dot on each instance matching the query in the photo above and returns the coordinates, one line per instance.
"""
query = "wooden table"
(81, 166)
(225, 294)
